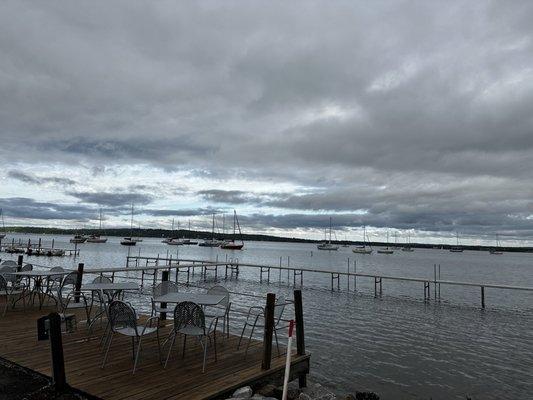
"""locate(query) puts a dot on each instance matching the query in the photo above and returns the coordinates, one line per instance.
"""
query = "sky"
(409, 117)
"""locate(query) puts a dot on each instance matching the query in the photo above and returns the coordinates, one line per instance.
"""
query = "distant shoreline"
(163, 233)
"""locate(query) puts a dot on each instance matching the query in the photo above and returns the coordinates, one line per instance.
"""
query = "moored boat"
(326, 244)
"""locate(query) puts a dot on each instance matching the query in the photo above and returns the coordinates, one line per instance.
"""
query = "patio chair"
(123, 320)
(54, 281)
(256, 319)
(11, 292)
(159, 290)
(71, 299)
(189, 320)
(222, 309)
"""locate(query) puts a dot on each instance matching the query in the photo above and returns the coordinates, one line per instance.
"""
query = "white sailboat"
(364, 249)
(97, 238)
(211, 242)
(386, 250)
(497, 250)
(129, 241)
(407, 246)
(327, 245)
(456, 249)
(3, 233)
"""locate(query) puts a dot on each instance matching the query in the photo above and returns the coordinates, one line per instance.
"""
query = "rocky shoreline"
(313, 391)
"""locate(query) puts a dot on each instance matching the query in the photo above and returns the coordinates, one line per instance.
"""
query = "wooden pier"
(182, 379)
(296, 275)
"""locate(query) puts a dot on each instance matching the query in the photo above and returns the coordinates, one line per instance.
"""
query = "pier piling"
(269, 330)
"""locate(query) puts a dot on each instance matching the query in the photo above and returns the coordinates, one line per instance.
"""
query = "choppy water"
(397, 346)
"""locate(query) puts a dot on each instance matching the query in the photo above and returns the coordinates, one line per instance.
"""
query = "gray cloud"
(37, 180)
(409, 113)
(181, 212)
(22, 207)
(112, 199)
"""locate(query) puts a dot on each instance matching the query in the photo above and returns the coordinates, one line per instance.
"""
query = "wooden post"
(19, 262)
(300, 336)
(483, 297)
(79, 279)
(164, 278)
(269, 330)
(56, 347)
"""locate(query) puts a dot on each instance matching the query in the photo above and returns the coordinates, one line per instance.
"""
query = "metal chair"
(160, 290)
(54, 281)
(11, 291)
(222, 309)
(256, 319)
(189, 320)
(123, 320)
(71, 299)
(9, 263)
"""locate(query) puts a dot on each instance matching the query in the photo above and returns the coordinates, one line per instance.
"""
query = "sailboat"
(174, 241)
(97, 238)
(496, 251)
(129, 241)
(408, 247)
(3, 233)
(364, 249)
(386, 250)
(188, 241)
(169, 239)
(327, 245)
(456, 249)
(211, 242)
(230, 244)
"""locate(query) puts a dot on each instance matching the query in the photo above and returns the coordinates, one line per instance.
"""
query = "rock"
(318, 392)
(243, 393)
(269, 391)
(366, 396)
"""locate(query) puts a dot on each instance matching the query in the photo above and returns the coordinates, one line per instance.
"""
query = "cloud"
(112, 199)
(36, 180)
(21, 207)
(410, 113)
(181, 212)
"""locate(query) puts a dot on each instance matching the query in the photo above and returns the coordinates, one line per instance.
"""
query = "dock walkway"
(182, 379)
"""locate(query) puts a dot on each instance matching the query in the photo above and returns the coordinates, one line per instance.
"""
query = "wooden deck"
(182, 379)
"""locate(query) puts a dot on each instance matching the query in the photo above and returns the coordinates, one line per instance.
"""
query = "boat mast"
(236, 220)
(131, 223)
(3, 223)
(329, 230)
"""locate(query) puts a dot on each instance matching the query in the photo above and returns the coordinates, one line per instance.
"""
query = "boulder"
(243, 393)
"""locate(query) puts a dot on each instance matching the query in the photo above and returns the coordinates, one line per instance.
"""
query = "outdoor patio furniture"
(160, 290)
(70, 298)
(123, 320)
(256, 319)
(12, 292)
(222, 309)
(189, 320)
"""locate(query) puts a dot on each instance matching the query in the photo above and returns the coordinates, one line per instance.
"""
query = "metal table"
(38, 278)
(198, 298)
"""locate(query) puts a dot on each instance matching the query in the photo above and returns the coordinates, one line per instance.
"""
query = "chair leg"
(158, 346)
(184, 344)
(277, 344)
(107, 350)
(206, 342)
(137, 356)
(242, 334)
(227, 325)
(170, 347)
(133, 348)
(249, 341)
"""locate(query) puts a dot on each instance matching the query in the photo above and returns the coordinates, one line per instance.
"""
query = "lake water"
(397, 346)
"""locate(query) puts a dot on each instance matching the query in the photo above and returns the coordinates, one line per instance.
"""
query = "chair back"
(9, 263)
(5, 271)
(27, 267)
(70, 279)
(188, 314)
(56, 278)
(220, 290)
(3, 285)
(164, 288)
(279, 308)
(122, 315)
(104, 279)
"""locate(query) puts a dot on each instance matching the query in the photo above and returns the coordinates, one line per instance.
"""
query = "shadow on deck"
(182, 379)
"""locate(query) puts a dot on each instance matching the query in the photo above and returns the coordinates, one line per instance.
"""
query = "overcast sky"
(412, 116)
